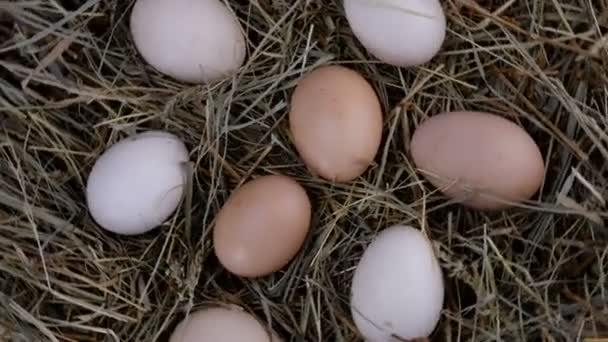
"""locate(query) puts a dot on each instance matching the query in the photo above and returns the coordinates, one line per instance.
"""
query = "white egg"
(398, 32)
(219, 324)
(397, 289)
(137, 183)
(197, 41)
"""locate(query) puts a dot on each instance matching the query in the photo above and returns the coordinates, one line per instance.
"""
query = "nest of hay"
(72, 83)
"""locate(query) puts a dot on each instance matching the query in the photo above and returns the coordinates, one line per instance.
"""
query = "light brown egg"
(221, 325)
(262, 226)
(481, 159)
(336, 122)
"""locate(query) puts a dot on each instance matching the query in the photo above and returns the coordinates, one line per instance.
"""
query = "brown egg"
(262, 226)
(336, 122)
(481, 159)
(221, 325)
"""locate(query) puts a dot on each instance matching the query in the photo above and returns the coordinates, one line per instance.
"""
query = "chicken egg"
(218, 324)
(196, 41)
(336, 122)
(262, 226)
(398, 32)
(479, 159)
(137, 183)
(397, 288)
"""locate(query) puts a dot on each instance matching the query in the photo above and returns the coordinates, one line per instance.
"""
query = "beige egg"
(222, 325)
(336, 122)
(480, 159)
(262, 226)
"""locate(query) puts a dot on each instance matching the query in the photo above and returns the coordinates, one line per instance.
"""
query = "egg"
(479, 159)
(398, 32)
(336, 122)
(262, 226)
(397, 288)
(137, 183)
(218, 324)
(196, 41)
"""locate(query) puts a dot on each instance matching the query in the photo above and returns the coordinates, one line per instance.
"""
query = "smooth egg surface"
(197, 41)
(262, 226)
(137, 183)
(336, 122)
(398, 32)
(397, 288)
(222, 325)
(480, 159)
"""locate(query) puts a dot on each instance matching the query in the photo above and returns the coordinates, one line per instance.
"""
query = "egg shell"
(196, 41)
(262, 226)
(336, 122)
(220, 324)
(480, 159)
(398, 32)
(137, 183)
(397, 288)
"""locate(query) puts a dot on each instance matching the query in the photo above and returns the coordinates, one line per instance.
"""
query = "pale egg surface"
(397, 288)
(197, 41)
(480, 159)
(222, 325)
(137, 183)
(398, 32)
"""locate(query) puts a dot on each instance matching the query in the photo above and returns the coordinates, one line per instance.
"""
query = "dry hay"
(71, 84)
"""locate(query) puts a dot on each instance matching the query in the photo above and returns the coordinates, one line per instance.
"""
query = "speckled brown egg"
(336, 122)
(262, 226)
(480, 159)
